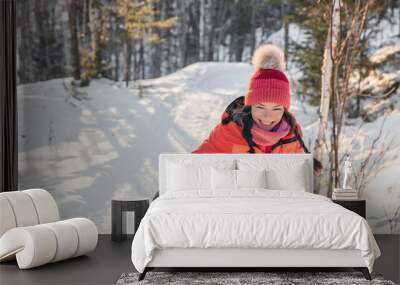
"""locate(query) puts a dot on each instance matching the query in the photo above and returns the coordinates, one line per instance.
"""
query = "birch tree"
(339, 63)
(326, 82)
(348, 52)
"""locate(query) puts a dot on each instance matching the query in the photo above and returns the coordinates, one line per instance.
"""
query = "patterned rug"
(275, 278)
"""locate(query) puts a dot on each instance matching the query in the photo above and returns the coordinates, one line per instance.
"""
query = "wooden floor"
(111, 259)
(103, 266)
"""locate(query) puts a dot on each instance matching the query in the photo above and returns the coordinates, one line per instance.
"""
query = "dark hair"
(247, 120)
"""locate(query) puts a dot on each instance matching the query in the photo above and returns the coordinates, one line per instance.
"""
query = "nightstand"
(120, 205)
(357, 206)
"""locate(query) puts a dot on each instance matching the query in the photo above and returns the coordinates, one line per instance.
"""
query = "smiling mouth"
(266, 125)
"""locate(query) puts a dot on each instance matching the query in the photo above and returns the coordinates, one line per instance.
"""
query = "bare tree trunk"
(40, 18)
(182, 31)
(222, 24)
(99, 31)
(85, 22)
(286, 38)
(141, 60)
(116, 34)
(26, 73)
(75, 58)
(193, 37)
(92, 25)
(95, 23)
(285, 29)
(156, 49)
(127, 60)
(333, 155)
(202, 30)
(167, 35)
(211, 26)
(253, 27)
(135, 62)
(116, 77)
(326, 72)
(238, 35)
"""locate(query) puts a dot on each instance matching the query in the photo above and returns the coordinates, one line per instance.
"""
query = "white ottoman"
(33, 243)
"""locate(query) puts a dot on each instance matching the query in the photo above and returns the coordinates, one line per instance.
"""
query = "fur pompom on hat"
(268, 57)
(268, 84)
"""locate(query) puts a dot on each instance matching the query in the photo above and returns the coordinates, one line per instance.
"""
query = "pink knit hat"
(268, 83)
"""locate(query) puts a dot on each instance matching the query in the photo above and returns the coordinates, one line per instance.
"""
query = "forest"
(127, 40)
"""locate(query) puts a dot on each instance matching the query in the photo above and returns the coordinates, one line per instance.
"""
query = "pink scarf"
(265, 139)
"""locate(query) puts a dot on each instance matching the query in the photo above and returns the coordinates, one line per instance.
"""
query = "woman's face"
(267, 115)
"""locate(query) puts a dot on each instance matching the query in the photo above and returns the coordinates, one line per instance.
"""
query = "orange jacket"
(228, 139)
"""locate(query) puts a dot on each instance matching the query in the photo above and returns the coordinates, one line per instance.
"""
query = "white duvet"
(254, 218)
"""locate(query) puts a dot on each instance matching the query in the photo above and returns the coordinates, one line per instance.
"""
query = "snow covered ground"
(104, 140)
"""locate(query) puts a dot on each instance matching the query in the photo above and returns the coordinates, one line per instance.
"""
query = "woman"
(260, 122)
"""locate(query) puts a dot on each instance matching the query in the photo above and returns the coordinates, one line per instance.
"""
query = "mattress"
(250, 219)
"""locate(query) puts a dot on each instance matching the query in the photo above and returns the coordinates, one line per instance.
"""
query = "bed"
(247, 210)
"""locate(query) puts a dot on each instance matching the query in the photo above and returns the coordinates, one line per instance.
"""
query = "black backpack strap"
(281, 142)
(300, 139)
(297, 137)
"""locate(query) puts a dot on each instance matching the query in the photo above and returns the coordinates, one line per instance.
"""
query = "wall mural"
(99, 100)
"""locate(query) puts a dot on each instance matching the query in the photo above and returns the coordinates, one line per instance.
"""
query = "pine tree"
(308, 54)
(139, 25)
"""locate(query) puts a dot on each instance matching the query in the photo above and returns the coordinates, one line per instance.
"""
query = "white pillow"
(223, 179)
(282, 174)
(230, 180)
(187, 174)
(187, 177)
(251, 178)
(291, 180)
